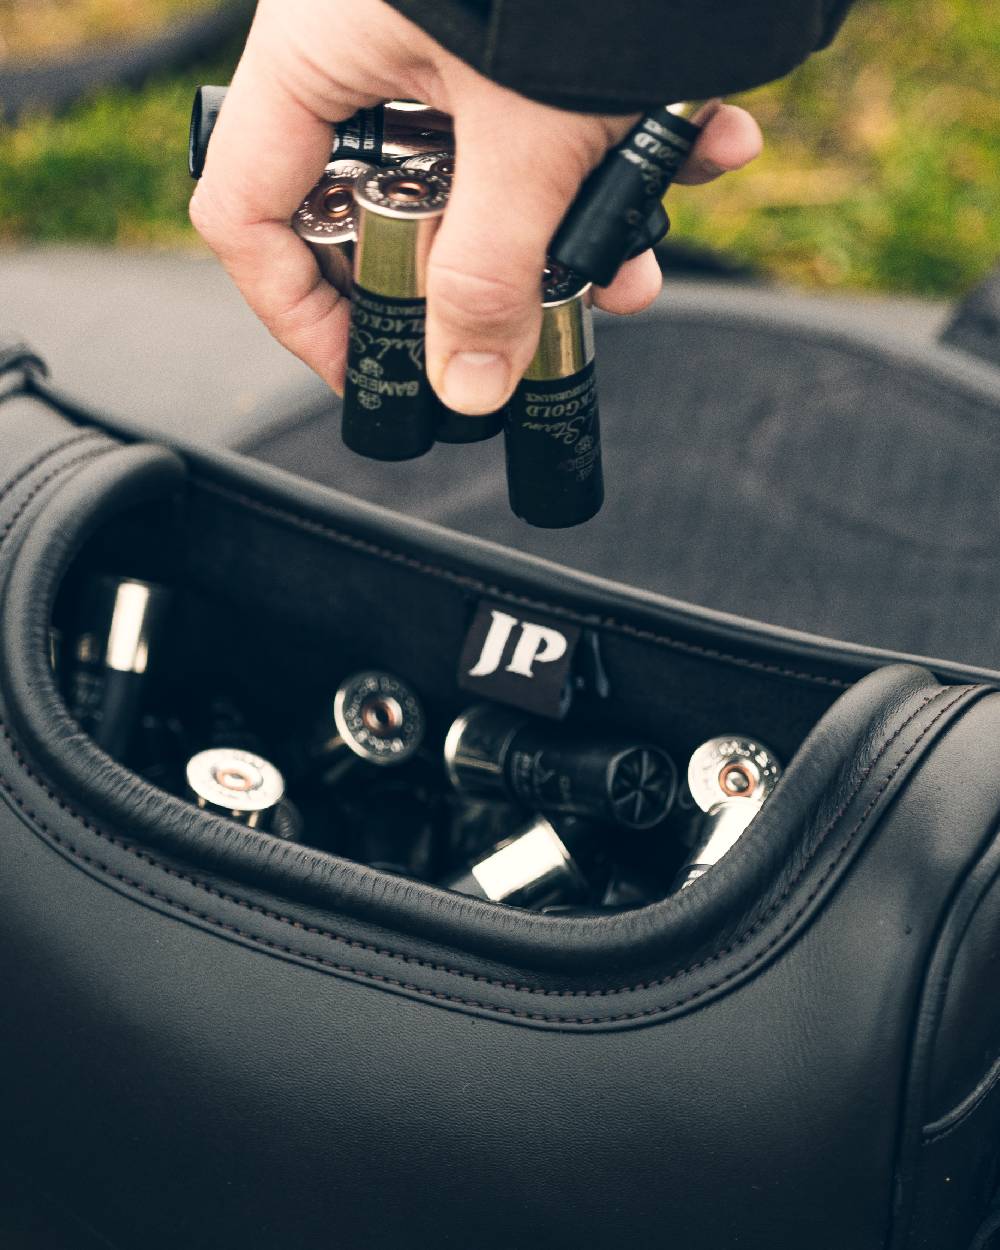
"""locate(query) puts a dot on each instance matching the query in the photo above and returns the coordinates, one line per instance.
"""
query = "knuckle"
(463, 295)
(203, 216)
(216, 224)
(299, 312)
(198, 215)
(584, 147)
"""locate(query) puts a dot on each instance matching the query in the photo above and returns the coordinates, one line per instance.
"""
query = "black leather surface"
(759, 461)
(629, 63)
(211, 1051)
(953, 1162)
(31, 1219)
(989, 1232)
(210, 1039)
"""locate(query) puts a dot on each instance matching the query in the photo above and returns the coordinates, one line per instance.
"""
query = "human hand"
(519, 164)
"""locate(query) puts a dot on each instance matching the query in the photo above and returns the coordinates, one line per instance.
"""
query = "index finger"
(266, 151)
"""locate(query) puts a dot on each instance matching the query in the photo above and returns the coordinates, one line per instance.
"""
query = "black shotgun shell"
(555, 477)
(204, 115)
(390, 410)
(599, 231)
(551, 430)
(653, 230)
(117, 636)
(396, 131)
(377, 717)
(495, 752)
(388, 132)
(458, 427)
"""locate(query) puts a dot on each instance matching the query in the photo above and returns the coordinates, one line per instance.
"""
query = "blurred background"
(881, 171)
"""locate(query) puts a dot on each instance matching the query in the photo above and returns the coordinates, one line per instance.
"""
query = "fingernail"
(475, 382)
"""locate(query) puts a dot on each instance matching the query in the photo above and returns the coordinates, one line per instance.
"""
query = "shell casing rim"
(199, 773)
(413, 210)
(583, 289)
(307, 220)
(404, 693)
(708, 762)
(425, 162)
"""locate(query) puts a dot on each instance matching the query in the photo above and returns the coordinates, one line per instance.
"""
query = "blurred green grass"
(881, 169)
(38, 28)
(111, 170)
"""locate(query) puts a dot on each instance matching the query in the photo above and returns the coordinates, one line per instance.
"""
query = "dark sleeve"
(623, 55)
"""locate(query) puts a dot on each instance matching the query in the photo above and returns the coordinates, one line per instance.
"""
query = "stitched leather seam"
(90, 454)
(416, 960)
(322, 961)
(257, 939)
(472, 583)
(28, 469)
(947, 1124)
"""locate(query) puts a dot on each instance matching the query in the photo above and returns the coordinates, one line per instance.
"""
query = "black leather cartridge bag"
(214, 1039)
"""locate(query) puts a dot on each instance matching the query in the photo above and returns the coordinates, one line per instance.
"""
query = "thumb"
(484, 271)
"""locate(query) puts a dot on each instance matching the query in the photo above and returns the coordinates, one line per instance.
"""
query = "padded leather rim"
(888, 721)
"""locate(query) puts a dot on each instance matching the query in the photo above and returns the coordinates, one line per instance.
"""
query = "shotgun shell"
(395, 131)
(376, 717)
(388, 132)
(731, 766)
(110, 655)
(390, 411)
(552, 431)
(598, 232)
(441, 163)
(238, 784)
(730, 778)
(531, 869)
(327, 220)
(494, 752)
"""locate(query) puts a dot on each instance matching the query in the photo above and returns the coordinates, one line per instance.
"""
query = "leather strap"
(16, 354)
(975, 326)
(22, 370)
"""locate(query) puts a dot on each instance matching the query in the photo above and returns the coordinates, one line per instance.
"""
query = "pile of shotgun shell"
(494, 803)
